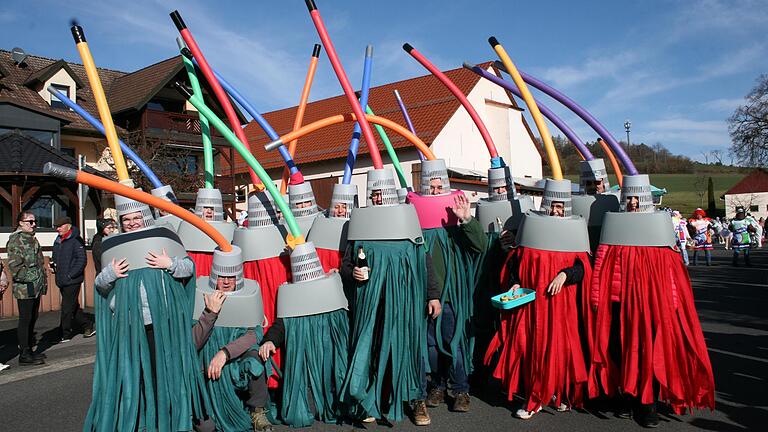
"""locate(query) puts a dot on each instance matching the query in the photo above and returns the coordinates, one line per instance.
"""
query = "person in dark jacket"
(69, 263)
(104, 227)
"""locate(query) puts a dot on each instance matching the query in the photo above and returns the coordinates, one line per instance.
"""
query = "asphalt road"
(732, 304)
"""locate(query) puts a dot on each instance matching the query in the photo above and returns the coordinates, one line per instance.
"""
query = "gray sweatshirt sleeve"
(181, 268)
(105, 280)
(239, 346)
(201, 331)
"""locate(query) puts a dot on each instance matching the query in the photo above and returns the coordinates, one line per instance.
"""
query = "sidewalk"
(77, 352)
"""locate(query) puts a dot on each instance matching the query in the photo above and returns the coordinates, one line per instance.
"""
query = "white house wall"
(462, 146)
(759, 199)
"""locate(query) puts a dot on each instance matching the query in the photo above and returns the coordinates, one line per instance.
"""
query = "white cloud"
(723, 104)
(687, 136)
(709, 16)
(688, 125)
(592, 68)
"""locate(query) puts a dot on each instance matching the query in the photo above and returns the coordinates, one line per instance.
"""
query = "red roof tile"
(12, 87)
(134, 90)
(755, 182)
(430, 106)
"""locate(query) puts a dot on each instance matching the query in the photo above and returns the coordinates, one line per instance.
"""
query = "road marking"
(33, 371)
(744, 356)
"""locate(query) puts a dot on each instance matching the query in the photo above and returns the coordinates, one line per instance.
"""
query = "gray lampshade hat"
(383, 180)
(434, 170)
(593, 170)
(126, 206)
(227, 264)
(500, 177)
(210, 198)
(640, 186)
(262, 210)
(557, 191)
(343, 194)
(299, 193)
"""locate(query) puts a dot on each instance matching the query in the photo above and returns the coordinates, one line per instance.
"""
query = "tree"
(711, 206)
(748, 127)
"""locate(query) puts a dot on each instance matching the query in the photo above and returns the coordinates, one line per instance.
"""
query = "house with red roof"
(439, 120)
(751, 193)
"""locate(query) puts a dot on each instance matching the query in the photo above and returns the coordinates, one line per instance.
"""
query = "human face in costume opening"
(633, 204)
(226, 283)
(500, 190)
(208, 213)
(132, 221)
(377, 197)
(340, 210)
(557, 209)
(594, 187)
(435, 186)
(304, 204)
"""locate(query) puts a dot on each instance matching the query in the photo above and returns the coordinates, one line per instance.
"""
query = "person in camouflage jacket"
(27, 266)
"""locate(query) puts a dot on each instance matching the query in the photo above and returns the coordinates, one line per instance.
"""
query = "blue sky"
(677, 69)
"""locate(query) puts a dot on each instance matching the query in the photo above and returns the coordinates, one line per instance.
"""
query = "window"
(56, 102)
(45, 137)
(754, 208)
(68, 151)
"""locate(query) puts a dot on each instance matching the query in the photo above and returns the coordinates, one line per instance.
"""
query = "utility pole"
(627, 126)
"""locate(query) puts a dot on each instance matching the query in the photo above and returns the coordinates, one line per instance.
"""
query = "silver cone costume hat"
(557, 191)
(434, 170)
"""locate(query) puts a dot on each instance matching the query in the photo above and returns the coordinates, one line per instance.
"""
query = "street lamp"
(627, 126)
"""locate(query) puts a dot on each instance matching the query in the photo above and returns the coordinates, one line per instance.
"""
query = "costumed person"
(742, 232)
(166, 193)
(390, 294)
(145, 374)
(312, 327)
(648, 343)
(541, 356)
(227, 336)
(595, 199)
(329, 233)
(265, 259)
(301, 200)
(681, 234)
(702, 237)
(209, 206)
(454, 240)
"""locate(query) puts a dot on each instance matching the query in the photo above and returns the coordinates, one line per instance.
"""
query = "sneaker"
(66, 337)
(4, 366)
(260, 421)
(420, 414)
(562, 407)
(435, 397)
(461, 402)
(649, 418)
(89, 331)
(369, 419)
(525, 414)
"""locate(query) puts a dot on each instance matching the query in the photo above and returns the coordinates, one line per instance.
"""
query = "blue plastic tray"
(530, 295)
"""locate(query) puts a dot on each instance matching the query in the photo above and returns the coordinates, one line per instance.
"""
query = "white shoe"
(562, 407)
(4, 366)
(525, 414)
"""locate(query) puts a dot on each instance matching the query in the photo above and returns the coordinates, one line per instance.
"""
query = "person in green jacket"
(452, 247)
(27, 265)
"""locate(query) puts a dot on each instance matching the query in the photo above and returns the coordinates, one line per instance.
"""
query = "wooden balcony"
(182, 127)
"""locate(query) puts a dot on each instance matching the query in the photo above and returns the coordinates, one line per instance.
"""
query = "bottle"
(499, 225)
(362, 262)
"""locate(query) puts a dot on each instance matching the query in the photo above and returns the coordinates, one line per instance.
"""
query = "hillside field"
(682, 189)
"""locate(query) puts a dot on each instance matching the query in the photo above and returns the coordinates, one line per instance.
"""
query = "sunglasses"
(31, 222)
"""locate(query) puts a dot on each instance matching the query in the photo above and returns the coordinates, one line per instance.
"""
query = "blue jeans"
(707, 255)
(684, 253)
(444, 369)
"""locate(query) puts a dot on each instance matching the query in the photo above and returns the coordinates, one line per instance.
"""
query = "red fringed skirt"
(330, 259)
(270, 273)
(660, 333)
(203, 263)
(541, 352)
